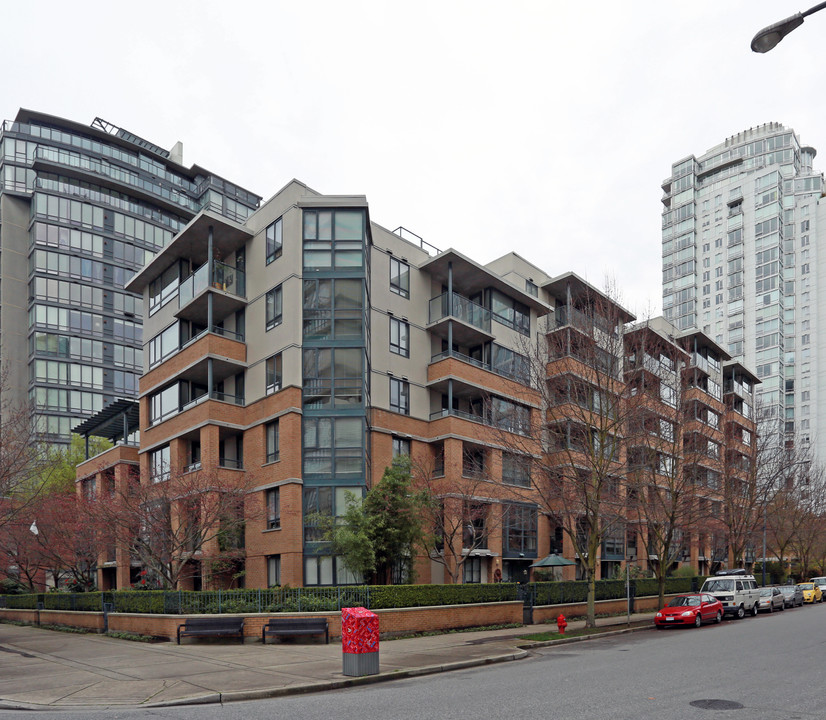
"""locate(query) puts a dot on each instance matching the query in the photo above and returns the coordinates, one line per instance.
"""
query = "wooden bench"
(218, 626)
(296, 626)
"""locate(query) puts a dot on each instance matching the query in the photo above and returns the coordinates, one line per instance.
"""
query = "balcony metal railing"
(460, 308)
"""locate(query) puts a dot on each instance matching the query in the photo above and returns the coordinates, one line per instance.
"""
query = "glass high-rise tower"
(740, 262)
(81, 209)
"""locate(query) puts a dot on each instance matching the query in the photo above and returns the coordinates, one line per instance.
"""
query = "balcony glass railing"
(224, 277)
(460, 308)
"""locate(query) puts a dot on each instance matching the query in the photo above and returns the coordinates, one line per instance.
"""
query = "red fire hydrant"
(561, 624)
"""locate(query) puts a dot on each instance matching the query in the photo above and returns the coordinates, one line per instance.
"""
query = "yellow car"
(811, 592)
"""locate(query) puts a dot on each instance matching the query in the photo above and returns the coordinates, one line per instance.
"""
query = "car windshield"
(765, 592)
(806, 586)
(819, 581)
(719, 586)
(684, 601)
(788, 590)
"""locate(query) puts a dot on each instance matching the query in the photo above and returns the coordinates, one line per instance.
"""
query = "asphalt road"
(763, 668)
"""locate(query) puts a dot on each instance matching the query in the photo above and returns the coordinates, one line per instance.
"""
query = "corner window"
(399, 277)
(273, 373)
(399, 337)
(273, 509)
(274, 241)
(400, 396)
(272, 441)
(274, 310)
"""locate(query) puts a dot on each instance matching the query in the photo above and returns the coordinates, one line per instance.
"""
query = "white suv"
(737, 592)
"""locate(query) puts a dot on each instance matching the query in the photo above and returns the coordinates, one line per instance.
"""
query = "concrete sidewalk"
(42, 669)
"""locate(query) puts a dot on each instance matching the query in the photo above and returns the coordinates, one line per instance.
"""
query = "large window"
(333, 309)
(163, 288)
(274, 307)
(400, 396)
(333, 377)
(399, 337)
(163, 404)
(273, 509)
(510, 312)
(271, 430)
(399, 277)
(333, 446)
(164, 344)
(519, 532)
(516, 469)
(273, 373)
(333, 239)
(274, 241)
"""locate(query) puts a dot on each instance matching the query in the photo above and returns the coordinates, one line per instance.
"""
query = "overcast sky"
(545, 128)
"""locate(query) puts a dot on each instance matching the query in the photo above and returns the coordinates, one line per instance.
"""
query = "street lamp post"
(769, 36)
(764, 544)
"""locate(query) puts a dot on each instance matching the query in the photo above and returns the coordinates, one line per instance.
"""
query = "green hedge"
(404, 596)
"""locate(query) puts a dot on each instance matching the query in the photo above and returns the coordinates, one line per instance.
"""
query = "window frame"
(399, 396)
(274, 299)
(274, 241)
(272, 503)
(400, 277)
(399, 337)
(272, 441)
(273, 367)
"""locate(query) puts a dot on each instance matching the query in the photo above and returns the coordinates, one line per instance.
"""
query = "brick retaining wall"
(397, 621)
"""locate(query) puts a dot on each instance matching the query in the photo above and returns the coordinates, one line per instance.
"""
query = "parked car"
(821, 583)
(736, 590)
(692, 609)
(771, 599)
(811, 592)
(793, 595)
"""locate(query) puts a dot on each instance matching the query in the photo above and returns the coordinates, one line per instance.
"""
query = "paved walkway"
(47, 669)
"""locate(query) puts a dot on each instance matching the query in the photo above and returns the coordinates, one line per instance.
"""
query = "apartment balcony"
(226, 285)
(468, 370)
(226, 349)
(469, 322)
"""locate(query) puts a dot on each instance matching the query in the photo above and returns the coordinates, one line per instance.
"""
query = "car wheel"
(698, 620)
(754, 610)
(741, 612)
(783, 605)
(771, 606)
(719, 617)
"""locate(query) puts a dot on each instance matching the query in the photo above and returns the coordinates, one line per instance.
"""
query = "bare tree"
(665, 474)
(576, 444)
(749, 484)
(463, 514)
(24, 464)
(810, 537)
(182, 521)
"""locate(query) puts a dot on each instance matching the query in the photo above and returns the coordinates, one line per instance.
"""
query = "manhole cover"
(716, 704)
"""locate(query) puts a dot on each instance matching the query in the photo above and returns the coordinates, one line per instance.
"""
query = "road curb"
(307, 688)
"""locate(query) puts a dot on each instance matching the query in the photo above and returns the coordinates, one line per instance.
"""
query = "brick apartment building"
(298, 352)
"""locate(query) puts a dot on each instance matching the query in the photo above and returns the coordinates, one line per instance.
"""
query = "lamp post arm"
(769, 36)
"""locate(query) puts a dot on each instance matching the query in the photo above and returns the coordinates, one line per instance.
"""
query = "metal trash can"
(359, 642)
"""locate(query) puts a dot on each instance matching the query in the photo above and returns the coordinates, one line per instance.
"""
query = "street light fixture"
(769, 36)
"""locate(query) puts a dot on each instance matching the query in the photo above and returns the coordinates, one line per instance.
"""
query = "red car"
(690, 610)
